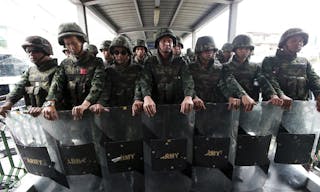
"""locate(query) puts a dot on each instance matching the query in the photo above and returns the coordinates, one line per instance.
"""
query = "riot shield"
(77, 142)
(37, 149)
(254, 136)
(123, 148)
(214, 148)
(168, 138)
(295, 143)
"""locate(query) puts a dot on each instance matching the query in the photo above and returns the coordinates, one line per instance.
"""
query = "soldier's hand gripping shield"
(37, 149)
(168, 149)
(123, 148)
(214, 147)
(296, 143)
(253, 142)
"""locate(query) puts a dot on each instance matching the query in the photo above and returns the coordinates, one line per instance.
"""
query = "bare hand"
(275, 100)
(248, 103)
(77, 111)
(198, 104)
(149, 106)
(137, 107)
(318, 103)
(98, 109)
(4, 108)
(35, 111)
(287, 102)
(186, 105)
(234, 103)
(50, 113)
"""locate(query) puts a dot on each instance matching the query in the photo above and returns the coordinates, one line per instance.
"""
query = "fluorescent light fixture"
(156, 16)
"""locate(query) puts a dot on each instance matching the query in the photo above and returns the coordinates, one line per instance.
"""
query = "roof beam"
(126, 30)
(104, 18)
(139, 15)
(176, 13)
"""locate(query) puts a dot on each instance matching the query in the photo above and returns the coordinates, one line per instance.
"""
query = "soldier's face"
(207, 55)
(107, 55)
(140, 51)
(176, 50)
(294, 44)
(165, 44)
(73, 44)
(121, 55)
(243, 53)
(35, 56)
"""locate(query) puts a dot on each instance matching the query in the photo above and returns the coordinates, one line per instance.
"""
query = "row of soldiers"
(81, 82)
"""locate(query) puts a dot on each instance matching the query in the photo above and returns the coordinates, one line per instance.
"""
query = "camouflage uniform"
(105, 46)
(184, 57)
(166, 84)
(77, 79)
(289, 74)
(227, 47)
(120, 80)
(35, 82)
(140, 43)
(207, 80)
(248, 77)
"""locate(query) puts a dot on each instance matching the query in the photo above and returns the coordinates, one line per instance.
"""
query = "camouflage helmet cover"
(242, 41)
(162, 32)
(38, 43)
(292, 32)
(91, 48)
(205, 43)
(140, 43)
(179, 41)
(121, 41)
(105, 45)
(69, 29)
(227, 47)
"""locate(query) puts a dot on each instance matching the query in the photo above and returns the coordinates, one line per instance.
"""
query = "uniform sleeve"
(187, 81)
(146, 81)
(232, 87)
(313, 80)
(57, 85)
(265, 86)
(104, 98)
(269, 74)
(97, 83)
(18, 92)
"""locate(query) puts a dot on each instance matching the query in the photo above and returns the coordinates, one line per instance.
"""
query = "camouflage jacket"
(78, 80)
(119, 87)
(248, 80)
(34, 84)
(291, 75)
(166, 83)
(139, 62)
(207, 81)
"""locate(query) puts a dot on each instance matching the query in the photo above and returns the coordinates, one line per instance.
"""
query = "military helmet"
(205, 43)
(121, 41)
(38, 43)
(292, 32)
(227, 47)
(162, 32)
(91, 48)
(242, 41)
(68, 29)
(179, 41)
(140, 43)
(105, 45)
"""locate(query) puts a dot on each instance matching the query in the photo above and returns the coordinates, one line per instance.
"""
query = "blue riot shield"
(254, 136)
(121, 139)
(168, 138)
(295, 142)
(214, 148)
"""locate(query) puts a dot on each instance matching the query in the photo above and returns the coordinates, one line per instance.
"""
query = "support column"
(233, 13)
(194, 39)
(82, 18)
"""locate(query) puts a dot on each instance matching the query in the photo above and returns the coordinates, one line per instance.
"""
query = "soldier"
(121, 77)
(80, 77)
(104, 49)
(248, 78)
(140, 51)
(206, 73)
(166, 79)
(190, 55)
(35, 82)
(292, 76)
(91, 49)
(225, 54)
(177, 50)
(66, 51)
